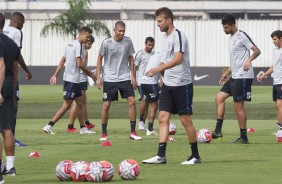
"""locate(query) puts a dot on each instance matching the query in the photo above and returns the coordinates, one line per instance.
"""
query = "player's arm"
(256, 53)
(225, 76)
(2, 77)
(28, 74)
(261, 77)
(81, 65)
(99, 69)
(53, 79)
(177, 59)
(85, 58)
(133, 71)
(16, 73)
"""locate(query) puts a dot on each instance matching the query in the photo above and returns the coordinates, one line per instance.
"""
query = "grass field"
(258, 162)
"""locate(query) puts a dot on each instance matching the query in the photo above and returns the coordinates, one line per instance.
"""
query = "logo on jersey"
(197, 78)
(125, 47)
(70, 45)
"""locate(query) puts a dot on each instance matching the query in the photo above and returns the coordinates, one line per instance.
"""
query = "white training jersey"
(153, 62)
(141, 60)
(178, 75)
(239, 47)
(277, 66)
(14, 34)
(83, 76)
(72, 51)
(116, 63)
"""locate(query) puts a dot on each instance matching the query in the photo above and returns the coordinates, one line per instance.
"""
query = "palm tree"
(69, 22)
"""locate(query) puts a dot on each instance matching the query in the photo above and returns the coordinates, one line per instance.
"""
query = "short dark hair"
(149, 39)
(91, 39)
(85, 29)
(277, 33)
(120, 23)
(166, 12)
(2, 20)
(17, 15)
(228, 19)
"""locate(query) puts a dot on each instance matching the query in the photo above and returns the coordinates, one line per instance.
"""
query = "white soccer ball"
(109, 170)
(79, 170)
(172, 128)
(63, 170)
(95, 173)
(129, 169)
(204, 136)
(279, 136)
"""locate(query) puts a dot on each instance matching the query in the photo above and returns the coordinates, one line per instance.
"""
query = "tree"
(69, 22)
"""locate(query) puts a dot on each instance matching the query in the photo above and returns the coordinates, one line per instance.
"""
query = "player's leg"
(277, 97)
(105, 117)
(152, 115)
(139, 88)
(70, 127)
(143, 114)
(84, 87)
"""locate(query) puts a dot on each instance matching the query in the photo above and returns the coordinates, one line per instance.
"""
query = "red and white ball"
(79, 170)
(279, 136)
(204, 136)
(109, 170)
(95, 173)
(63, 170)
(172, 128)
(129, 169)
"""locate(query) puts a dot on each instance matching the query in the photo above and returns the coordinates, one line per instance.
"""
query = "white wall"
(207, 41)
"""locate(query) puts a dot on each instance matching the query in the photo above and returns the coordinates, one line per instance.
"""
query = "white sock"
(10, 160)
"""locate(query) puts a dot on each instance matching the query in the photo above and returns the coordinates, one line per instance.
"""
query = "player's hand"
(222, 80)
(260, 78)
(247, 65)
(53, 80)
(1, 99)
(94, 78)
(99, 83)
(151, 72)
(28, 75)
(134, 83)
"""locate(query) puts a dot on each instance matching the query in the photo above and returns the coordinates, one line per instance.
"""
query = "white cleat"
(48, 129)
(192, 161)
(151, 132)
(134, 136)
(142, 126)
(84, 130)
(155, 160)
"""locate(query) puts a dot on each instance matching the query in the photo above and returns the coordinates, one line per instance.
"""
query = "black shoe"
(1, 179)
(10, 172)
(279, 125)
(140, 99)
(240, 141)
(216, 135)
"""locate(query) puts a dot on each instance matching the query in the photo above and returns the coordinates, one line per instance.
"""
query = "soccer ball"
(95, 173)
(172, 129)
(63, 170)
(129, 169)
(279, 136)
(109, 170)
(204, 136)
(79, 170)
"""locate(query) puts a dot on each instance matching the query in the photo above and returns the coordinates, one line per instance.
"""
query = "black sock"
(162, 149)
(104, 128)
(218, 127)
(243, 133)
(70, 126)
(87, 122)
(82, 126)
(51, 123)
(150, 126)
(132, 125)
(194, 149)
(141, 117)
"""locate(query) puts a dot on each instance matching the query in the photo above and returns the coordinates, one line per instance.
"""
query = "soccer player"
(83, 88)
(177, 90)
(14, 32)
(118, 75)
(73, 58)
(240, 83)
(151, 91)
(11, 54)
(141, 60)
(276, 69)
(2, 78)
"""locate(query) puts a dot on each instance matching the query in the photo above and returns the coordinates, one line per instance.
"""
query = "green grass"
(258, 162)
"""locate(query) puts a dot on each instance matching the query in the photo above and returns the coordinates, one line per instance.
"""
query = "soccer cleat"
(90, 125)
(151, 132)
(216, 135)
(155, 160)
(19, 143)
(192, 161)
(84, 130)
(240, 141)
(140, 99)
(10, 172)
(1, 179)
(142, 126)
(134, 136)
(48, 129)
(72, 130)
(104, 137)
(279, 125)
